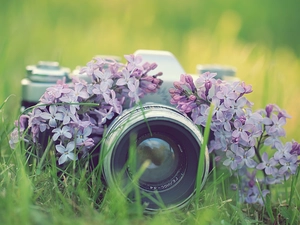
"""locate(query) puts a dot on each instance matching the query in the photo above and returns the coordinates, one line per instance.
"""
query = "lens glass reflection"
(160, 158)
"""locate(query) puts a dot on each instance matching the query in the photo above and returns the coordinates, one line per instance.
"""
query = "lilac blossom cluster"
(75, 114)
(239, 135)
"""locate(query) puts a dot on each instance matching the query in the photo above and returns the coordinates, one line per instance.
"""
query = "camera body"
(153, 139)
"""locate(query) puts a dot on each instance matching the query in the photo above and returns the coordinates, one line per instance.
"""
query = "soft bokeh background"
(259, 38)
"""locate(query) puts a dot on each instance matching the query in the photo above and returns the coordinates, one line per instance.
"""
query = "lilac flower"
(272, 141)
(133, 62)
(241, 130)
(105, 115)
(133, 92)
(268, 165)
(97, 90)
(200, 114)
(253, 136)
(67, 114)
(89, 69)
(289, 163)
(66, 152)
(148, 84)
(36, 122)
(214, 145)
(252, 178)
(232, 160)
(71, 120)
(254, 118)
(52, 116)
(222, 136)
(295, 148)
(82, 137)
(105, 77)
(189, 82)
(54, 92)
(125, 79)
(282, 150)
(22, 122)
(227, 96)
(246, 156)
(14, 138)
(61, 132)
(276, 127)
(80, 91)
(206, 80)
(254, 196)
(219, 109)
(115, 103)
(228, 115)
(238, 106)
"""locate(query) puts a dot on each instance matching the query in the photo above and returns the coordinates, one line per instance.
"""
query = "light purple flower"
(54, 92)
(133, 62)
(254, 196)
(134, 91)
(227, 96)
(65, 131)
(80, 91)
(105, 77)
(200, 114)
(105, 115)
(116, 103)
(232, 160)
(35, 121)
(241, 130)
(67, 114)
(268, 165)
(288, 163)
(66, 152)
(206, 80)
(276, 127)
(223, 137)
(97, 90)
(246, 156)
(52, 116)
(238, 106)
(282, 150)
(295, 148)
(14, 138)
(125, 79)
(219, 110)
(272, 141)
(82, 137)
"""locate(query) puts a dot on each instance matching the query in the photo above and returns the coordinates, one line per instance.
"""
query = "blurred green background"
(259, 37)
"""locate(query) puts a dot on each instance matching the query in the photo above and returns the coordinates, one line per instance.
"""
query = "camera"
(166, 143)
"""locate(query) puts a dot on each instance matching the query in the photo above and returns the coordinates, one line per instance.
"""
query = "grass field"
(197, 32)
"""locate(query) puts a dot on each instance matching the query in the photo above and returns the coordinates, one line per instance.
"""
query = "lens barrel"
(164, 146)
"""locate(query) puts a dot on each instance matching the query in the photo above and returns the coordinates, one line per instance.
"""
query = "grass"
(72, 33)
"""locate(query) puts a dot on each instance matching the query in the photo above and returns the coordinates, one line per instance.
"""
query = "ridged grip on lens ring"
(133, 116)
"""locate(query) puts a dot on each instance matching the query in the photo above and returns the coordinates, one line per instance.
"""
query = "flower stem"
(40, 164)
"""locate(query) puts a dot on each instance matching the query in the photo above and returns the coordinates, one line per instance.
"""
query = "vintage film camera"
(163, 135)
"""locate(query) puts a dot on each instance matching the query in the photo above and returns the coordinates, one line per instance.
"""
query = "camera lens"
(163, 156)
(165, 146)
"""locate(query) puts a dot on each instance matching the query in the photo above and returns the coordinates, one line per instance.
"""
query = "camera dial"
(39, 78)
(223, 72)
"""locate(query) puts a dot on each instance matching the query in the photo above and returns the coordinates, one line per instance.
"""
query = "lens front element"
(165, 160)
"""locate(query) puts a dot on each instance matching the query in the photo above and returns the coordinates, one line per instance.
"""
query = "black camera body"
(167, 143)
